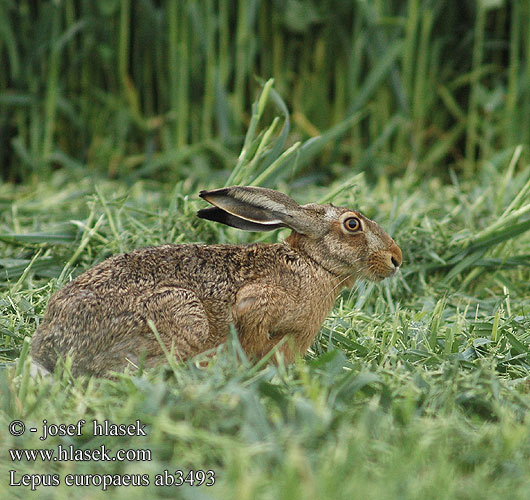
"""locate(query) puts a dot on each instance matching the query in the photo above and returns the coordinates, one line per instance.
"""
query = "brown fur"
(193, 293)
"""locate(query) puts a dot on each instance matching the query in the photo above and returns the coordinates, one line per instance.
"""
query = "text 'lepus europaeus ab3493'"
(192, 293)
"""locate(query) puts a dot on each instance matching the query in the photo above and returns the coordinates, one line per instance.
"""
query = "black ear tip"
(213, 213)
(202, 213)
(214, 192)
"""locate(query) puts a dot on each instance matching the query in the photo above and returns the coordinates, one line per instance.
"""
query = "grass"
(115, 114)
(416, 388)
(127, 88)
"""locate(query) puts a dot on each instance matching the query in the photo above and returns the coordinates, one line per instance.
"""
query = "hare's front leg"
(179, 318)
(262, 315)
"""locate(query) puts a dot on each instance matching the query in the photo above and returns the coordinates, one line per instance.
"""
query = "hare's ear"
(256, 209)
(218, 215)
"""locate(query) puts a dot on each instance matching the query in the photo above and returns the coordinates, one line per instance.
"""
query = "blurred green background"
(163, 89)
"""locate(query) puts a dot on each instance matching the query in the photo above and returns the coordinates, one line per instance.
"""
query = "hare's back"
(211, 271)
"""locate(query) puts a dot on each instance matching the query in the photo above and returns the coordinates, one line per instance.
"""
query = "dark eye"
(352, 224)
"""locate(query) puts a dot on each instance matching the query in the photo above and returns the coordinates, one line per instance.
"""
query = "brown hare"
(192, 293)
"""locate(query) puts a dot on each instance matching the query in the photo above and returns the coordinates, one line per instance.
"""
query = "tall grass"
(115, 86)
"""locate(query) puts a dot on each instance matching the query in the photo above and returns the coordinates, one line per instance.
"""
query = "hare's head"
(343, 241)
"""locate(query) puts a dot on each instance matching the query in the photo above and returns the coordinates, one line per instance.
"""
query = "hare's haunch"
(192, 293)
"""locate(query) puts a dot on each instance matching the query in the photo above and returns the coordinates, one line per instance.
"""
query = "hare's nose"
(395, 256)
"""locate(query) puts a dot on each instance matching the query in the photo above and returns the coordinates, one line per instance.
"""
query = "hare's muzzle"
(394, 259)
(385, 263)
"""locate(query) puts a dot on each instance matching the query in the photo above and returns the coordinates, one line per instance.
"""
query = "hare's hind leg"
(180, 319)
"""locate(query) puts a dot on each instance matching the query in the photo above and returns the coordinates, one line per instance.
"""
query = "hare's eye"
(352, 224)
